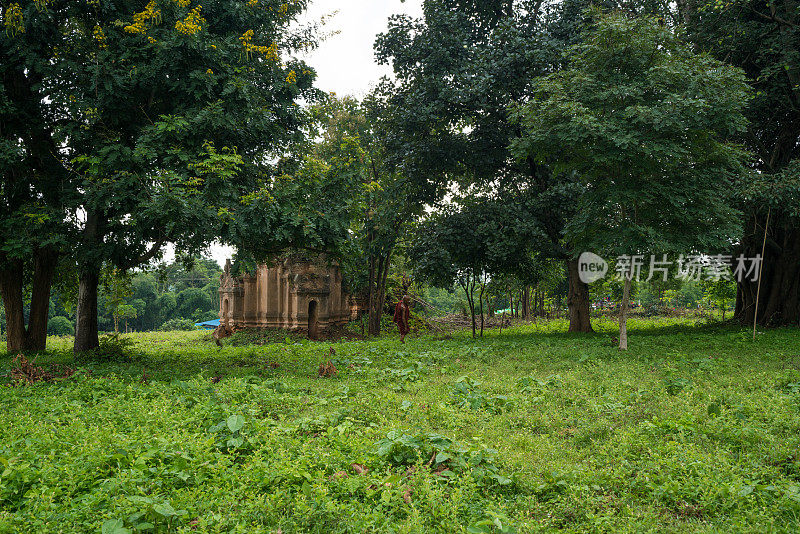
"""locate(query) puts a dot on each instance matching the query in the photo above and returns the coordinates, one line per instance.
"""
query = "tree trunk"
(377, 292)
(372, 293)
(44, 268)
(469, 290)
(86, 337)
(34, 337)
(779, 303)
(480, 297)
(382, 288)
(623, 315)
(11, 283)
(526, 304)
(577, 300)
(541, 303)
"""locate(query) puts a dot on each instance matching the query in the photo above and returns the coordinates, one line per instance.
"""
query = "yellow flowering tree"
(128, 125)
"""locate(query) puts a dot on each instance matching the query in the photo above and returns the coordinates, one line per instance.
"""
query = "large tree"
(763, 38)
(155, 120)
(34, 184)
(352, 142)
(457, 69)
(646, 124)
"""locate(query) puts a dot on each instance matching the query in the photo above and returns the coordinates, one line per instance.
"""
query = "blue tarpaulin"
(208, 325)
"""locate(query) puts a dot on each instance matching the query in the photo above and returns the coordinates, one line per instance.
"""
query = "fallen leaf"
(359, 469)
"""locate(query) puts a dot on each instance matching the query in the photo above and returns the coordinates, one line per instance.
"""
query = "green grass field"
(695, 429)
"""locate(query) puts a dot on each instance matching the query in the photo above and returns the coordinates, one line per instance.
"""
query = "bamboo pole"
(760, 269)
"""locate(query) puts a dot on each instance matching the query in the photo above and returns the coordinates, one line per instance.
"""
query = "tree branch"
(774, 18)
(147, 256)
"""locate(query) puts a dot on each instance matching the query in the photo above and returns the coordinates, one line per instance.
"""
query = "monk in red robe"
(402, 313)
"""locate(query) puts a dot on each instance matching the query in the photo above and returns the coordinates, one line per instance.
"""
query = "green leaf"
(235, 423)
(164, 509)
(114, 526)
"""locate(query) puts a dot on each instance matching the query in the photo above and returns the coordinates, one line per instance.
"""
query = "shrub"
(177, 324)
(442, 455)
(60, 326)
(113, 348)
(466, 394)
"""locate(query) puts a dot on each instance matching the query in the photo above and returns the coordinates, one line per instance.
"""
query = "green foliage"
(466, 394)
(493, 522)
(114, 348)
(400, 378)
(177, 324)
(229, 437)
(590, 439)
(445, 457)
(530, 384)
(156, 515)
(263, 336)
(676, 385)
(60, 326)
(649, 124)
(191, 300)
(154, 121)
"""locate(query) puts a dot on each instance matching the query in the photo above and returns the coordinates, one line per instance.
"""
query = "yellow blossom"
(13, 19)
(291, 77)
(270, 52)
(193, 22)
(150, 13)
(100, 36)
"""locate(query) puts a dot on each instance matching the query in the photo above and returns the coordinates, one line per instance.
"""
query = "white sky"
(345, 62)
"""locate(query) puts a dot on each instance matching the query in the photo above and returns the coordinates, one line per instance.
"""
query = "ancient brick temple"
(296, 293)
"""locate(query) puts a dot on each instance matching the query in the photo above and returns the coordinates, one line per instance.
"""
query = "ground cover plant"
(695, 428)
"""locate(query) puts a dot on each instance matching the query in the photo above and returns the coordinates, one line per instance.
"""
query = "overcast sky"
(345, 62)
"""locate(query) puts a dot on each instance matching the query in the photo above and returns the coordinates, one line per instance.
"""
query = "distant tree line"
(166, 296)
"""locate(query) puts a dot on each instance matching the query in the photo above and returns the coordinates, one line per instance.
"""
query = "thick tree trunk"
(86, 336)
(577, 300)
(44, 268)
(34, 337)
(11, 285)
(623, 315)
(779, 303)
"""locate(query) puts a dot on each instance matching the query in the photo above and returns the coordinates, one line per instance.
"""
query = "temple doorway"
(312, 319)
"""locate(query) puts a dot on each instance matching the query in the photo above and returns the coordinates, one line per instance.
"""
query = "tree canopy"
(647, 125)
(155, 123)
